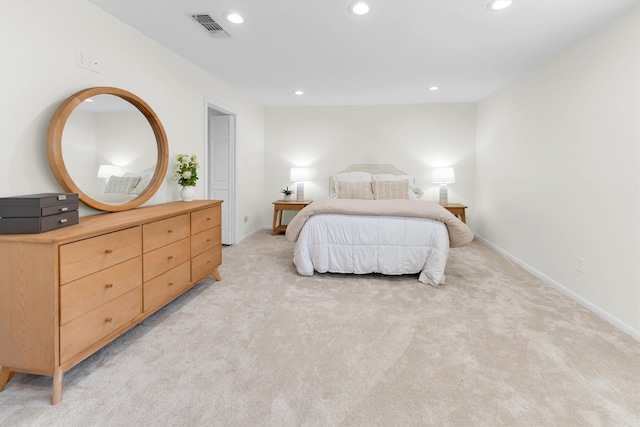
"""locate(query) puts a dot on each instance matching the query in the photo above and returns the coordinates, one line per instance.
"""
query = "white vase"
(287, 197)
(188, 193)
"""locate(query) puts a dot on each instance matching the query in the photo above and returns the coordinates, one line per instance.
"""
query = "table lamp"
(299, 175)
(443, 176)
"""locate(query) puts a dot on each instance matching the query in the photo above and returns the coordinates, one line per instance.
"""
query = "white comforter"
(364, 244)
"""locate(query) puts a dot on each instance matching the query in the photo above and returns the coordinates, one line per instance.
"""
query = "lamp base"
(443, 195)
(300, 192)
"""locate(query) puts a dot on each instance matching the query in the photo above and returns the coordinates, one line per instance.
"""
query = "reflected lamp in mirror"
(299, 175)
(444, 176)
(107, 171)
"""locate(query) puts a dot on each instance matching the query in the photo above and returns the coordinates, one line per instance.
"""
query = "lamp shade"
(106, 171)
(444, 176)
(299, 174)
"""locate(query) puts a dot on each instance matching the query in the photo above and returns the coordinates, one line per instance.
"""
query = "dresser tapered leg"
(57, 387)
(216, 274)
(5, 376)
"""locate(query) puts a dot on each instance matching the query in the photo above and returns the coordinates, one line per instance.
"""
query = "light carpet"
(266, 347)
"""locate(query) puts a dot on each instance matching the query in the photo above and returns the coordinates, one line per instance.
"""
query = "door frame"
(231, 204)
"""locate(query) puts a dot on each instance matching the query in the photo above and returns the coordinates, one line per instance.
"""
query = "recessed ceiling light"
(434, 88)
(299, 92)
(499, 4)
(359, 8)
(234, 18)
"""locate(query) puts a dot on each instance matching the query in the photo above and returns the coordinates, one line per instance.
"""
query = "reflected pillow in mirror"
(144, 183)
(121, 184)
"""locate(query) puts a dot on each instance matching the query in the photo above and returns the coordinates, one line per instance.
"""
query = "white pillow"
(144, 183)
(391, 177)
(350, 177)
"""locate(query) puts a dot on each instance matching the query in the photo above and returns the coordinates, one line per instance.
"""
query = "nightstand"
(281, 205)
(458, 210)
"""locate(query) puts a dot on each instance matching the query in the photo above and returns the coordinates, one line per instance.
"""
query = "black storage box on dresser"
(37, 213)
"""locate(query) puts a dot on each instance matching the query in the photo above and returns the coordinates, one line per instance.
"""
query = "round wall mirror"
(107, 145)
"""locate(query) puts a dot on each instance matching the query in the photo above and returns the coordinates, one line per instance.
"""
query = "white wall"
(414, 138)
(38, 39)
(557, 169)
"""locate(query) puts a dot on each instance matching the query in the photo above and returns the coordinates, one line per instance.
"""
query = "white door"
(221, 141)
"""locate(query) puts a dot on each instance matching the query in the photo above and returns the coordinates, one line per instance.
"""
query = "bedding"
(358, 179)
(394, 236)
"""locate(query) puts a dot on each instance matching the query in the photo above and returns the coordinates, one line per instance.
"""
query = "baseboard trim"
(635, 334)
(246, 236)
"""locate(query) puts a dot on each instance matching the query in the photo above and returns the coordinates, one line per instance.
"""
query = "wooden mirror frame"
(56, 160)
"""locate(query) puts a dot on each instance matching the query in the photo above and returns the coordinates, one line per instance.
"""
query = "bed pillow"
(414, 192)
(388, 190)
(355, 190)
(121, 184)
(144, 183)
(350, 177)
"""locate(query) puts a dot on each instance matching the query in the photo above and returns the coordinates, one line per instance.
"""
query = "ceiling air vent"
(210, 25)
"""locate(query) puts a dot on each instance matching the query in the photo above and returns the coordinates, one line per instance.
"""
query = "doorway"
(220, 165)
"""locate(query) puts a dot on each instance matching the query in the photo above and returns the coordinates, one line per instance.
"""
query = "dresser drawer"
(163, 287)
(203, 264)
(85, 294)
(161, 233)
(164, 259)
(88, 329)
(205, 219)
(84, 257)
(205, 240)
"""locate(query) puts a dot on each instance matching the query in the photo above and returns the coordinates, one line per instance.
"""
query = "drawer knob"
(108, 285)
(169, 231)
(170, 257)
(108, 320)
(208, 240)
(170, 283)
(108, 251)
(64, 209)
(208, 219)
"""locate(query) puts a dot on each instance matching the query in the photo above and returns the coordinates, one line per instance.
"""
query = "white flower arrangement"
(186, 173)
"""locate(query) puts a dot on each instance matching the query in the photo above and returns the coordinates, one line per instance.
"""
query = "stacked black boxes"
(37, 213)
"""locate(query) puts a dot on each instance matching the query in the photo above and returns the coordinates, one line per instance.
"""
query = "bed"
(375, 222)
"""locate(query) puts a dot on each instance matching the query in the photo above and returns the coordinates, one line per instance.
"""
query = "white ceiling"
(390, 56)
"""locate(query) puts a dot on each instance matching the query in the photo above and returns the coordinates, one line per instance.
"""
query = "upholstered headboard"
(369, 168)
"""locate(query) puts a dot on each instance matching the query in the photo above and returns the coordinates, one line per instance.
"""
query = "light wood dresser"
(67, 293)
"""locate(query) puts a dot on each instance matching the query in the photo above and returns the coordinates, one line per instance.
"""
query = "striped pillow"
(386, 190)
(355, 190)
(122, 184)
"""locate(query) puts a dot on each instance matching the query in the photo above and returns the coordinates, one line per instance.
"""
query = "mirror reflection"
(109, 149)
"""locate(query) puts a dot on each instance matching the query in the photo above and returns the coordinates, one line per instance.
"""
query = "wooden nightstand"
(281, 205)
(458, 210)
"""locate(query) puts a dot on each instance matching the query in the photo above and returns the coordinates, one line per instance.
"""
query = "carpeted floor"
(494, 347)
